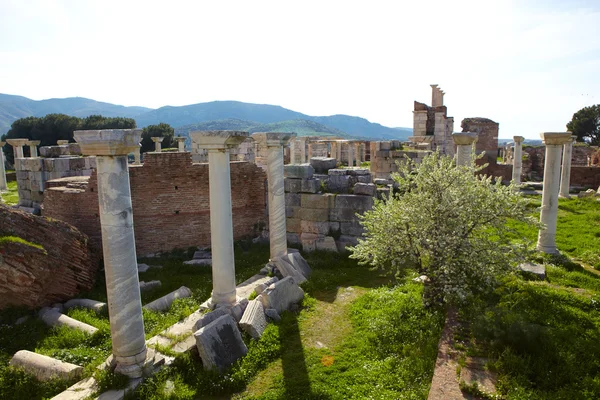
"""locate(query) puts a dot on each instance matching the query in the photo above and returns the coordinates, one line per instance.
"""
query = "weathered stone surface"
(308, 241)
(143, 267)
(85, 303)
(358, 203)
(367, 189)
(299, 263)
(220, 343)
(351, 228)
(253, 321)
(314, 214)
(281, 295)
(272, 314)
(338, 183)
(587, 193)
(358, 172)
(202, 255)
(258, 289)
(538, 270)
(342, 215)
(33, 277)
(210, 317)
(317, 201)
(237, 311)
(146, 286)
(45, 368)
(304, 171)
(310, 186)
(292, 185)
(204, 262)
(327, 244)
(164, 303)
(365, 178)
(340, 171)
(318, 227)
(292, 199)
(286, 269)
(323, 164)
(51, 317)
(79, 391)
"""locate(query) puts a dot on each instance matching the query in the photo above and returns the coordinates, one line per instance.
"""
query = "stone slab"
(253, 321)
(305, 171)
(237, 311)
(220, 344)
(281, 295)
(538, 270)
(323, 164)
(300, 264)
(366, 189)
(210, 317)
(261, 287)
(286, 269)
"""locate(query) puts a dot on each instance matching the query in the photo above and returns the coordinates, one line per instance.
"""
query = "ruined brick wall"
(170, 199)
(383, 157)
(487, 131)
(33, 277)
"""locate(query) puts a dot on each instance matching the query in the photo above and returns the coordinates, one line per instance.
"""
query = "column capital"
(518, 139)
(464, 138)
(218, 140)
(273, 139)
(555, 138)
(108, 142)
(33, 142)
(158, 139)
(17, 142)
(62, 142)
(573, 138)
(180, 139)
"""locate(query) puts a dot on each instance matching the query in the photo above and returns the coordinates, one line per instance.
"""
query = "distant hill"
(300, 126)
(215, 114)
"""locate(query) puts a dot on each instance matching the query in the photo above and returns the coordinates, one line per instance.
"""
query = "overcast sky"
(528, 65)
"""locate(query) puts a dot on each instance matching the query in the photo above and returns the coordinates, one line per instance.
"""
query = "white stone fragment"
(261, 287)
(51, 317)
(146, 286)
(85, 303)
(220, 343)
(281, 295)
(238, 309)
(253, 321)
(164, 303)
(286, 269)
(204, 262)
(43, 367)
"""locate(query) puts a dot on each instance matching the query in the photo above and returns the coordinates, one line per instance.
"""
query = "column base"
(547, 249)
(223, 299)
(561, 196)
(141, 364)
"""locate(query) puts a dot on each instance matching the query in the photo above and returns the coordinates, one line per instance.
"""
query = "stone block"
(238, 309)
(366, 189)
(293, 238)
(207, 262)
(293, 225)
(143, 267)
(77, 163)
(253, 321)
(326, 243)
(286, 269)
(210, 317)
(308, 241)
(45, 368)
(147, 286)
(358, 203)
(310, 186)
(303, 171)
(338, 183)
(380, 181)
(365, 178)
(323, 164)
(351, 228)
(337, 172)
(220, 343)
(164, 303)
(342, 214)
(539, 270)
(292, 200)
(311, 214)
(299, 263)
(292, 185)
(345, 241)
(272, 314)
(318, 227)
(317, 200)
(292, 212)
(261, 287)
(358, 172)
(281, 295)
(385, 145)
(202, 255)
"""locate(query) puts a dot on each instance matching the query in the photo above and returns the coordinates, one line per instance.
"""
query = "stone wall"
(170, 200)
(385, 154)
(33, 277)
(487, 134)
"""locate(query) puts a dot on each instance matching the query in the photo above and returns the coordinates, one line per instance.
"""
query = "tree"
(447, 223)
(162, 129)
(586, 125)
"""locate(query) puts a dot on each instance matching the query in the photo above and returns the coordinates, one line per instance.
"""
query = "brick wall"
(487, 131)
(170, 199)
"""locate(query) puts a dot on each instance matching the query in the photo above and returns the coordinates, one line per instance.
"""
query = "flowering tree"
(447, 223)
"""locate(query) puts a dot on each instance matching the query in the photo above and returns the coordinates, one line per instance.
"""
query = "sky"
(528, 65)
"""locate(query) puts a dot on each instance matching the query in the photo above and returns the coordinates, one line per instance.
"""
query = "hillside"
(210, 115)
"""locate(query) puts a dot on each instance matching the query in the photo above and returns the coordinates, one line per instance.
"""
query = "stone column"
(33, 144)
(357, 153)
(310, 151)
(554, 142)
(180, 144)
(565, 178)
(464, 146)
(3, 185)
(350, 154)
(218, 144)
(137, 156)
(293, 151)
(277, 225)
(17, 145)
(302, 150)
(333, 153)
(518, 159)
(157, 141)
(118, 244)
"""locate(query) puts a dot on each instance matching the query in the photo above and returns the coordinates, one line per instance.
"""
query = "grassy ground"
(11, 197)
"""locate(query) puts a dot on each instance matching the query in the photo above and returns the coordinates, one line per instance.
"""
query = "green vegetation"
(160, 130)
(15, 239)
(11, 197)
(585, 124)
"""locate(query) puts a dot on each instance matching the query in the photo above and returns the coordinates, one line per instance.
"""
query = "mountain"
(221, 114)
(15, 107)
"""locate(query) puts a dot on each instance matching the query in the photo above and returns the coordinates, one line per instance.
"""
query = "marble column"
(218, 144)
(554, 142)
(350, 154)
(339, 150)
(17, 145)
(33, 144)
(180, 143)
(277, 223)
(302, 150)
(518, 159)
(464, 146)
(333, 153)
(310, 151)
(357, 154)
(293, 151)
(565, 178)
(157, 141)
(3, 185)
(137, 156)
(111, 148)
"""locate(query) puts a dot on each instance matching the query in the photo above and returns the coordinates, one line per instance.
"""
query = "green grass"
(15, 239)
(11, 197)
